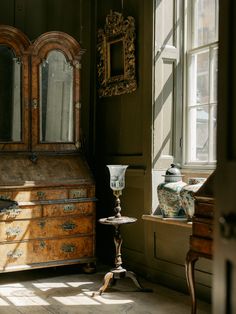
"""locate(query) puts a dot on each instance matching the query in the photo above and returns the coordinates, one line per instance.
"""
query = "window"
(201, 81)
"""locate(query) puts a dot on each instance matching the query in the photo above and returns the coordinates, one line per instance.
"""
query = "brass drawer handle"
(13, 212)
(15, 254)
(42, 224)
(68, 248)
(68, 226)
(79, 193)
(4, 197)
(42, 244)
(69, 208)
(13, 231)
(41, 195)
(83, 209)
(210, 230)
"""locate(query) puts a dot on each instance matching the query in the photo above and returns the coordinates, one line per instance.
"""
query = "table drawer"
(204, 209)
(41, 228)
(204, 230)
(83, 208)
(41, 251)
(201, 245)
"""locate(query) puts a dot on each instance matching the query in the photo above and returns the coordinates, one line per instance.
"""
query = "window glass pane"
(199, 78)
(205, 22)
(214, 74)
(214, 132)
(56, 99)
(198, 133)
(202, 134)
(202, 82)
(10, 96)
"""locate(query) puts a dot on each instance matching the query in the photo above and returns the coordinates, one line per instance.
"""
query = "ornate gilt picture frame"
(116, 56)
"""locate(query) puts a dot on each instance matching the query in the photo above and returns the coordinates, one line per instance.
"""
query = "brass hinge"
(35, 103)
(78, 65)
(78, 105)
(78, 144)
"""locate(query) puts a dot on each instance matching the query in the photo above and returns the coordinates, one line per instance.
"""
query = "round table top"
(117, 221)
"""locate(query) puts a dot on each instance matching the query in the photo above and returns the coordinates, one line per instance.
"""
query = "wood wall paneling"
(7, 12)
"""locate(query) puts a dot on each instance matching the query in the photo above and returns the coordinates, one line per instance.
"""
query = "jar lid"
(173, 171)
(173, 174)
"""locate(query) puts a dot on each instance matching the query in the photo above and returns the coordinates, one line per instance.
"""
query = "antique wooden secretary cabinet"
(42, 167)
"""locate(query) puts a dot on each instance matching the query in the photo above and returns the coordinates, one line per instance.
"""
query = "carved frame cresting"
(117, 31)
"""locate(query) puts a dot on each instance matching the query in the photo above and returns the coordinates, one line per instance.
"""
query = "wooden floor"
(67, 290)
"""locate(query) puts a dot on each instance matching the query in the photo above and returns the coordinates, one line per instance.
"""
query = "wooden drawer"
(41, 228)
(41, 251)
(83, 208)
(44, 194)
(60, 227)
(204, 209)
(22, 212)
(6, 195)
(203, 229)
(201, 245)
(39, 195)
(72, 248)
(78, 193)
(82, 192)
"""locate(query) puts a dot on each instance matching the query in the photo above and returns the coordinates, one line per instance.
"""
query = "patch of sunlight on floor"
(45, 286)
(12, 285)
(18, 292)
(19, 295)
(81, 299)
(3, 303)
(27, 301)
(76, 300)
(78, 284)
(103, 300)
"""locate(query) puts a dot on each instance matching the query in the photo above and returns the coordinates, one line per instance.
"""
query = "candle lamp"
(117, 184)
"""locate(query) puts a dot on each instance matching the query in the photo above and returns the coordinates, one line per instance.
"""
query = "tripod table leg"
(107, 279)
(134, 277)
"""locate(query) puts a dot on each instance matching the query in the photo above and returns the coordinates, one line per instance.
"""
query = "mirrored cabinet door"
(56, 99)
(55, 93)
(14, 96)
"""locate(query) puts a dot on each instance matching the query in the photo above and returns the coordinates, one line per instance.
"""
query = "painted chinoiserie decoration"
(168, 192)
(187, 195)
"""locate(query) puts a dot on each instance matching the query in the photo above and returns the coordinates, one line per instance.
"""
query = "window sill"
(159, 219)
(201, 168)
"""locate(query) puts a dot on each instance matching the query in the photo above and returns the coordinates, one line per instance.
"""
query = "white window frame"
(188, 52)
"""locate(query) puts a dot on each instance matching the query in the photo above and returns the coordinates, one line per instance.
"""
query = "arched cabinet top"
(14, 39)
(45, 104)
(57, 41)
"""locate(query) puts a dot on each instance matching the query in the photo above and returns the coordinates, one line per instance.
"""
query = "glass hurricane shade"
(117, 176)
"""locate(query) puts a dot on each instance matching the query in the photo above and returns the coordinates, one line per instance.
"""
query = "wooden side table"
(201, 240)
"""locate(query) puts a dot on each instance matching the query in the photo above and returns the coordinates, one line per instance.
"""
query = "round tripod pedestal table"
(118, 271)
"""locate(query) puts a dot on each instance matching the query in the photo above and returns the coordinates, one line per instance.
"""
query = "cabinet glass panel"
(56, 99)
(10, 96)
